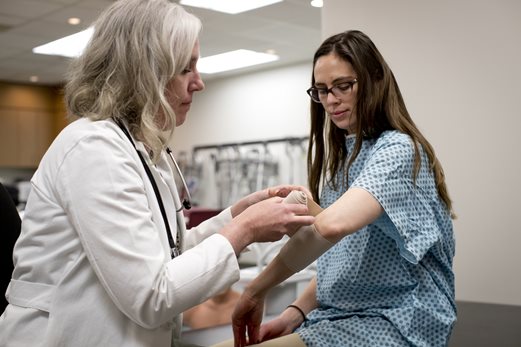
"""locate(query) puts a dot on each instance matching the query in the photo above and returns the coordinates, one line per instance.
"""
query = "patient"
(384, 240)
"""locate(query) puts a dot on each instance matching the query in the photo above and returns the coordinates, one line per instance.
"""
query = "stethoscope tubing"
(187, 202)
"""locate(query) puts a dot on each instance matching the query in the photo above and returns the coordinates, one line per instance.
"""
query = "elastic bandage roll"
(307, 244)
(298, 197)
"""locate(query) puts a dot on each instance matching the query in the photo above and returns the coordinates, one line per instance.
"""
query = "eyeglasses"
(319, 95)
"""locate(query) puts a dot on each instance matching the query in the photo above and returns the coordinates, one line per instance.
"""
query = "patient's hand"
(246, 319)
(273, 329)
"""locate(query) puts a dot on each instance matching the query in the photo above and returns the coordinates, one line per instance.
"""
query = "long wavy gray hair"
(137, 47)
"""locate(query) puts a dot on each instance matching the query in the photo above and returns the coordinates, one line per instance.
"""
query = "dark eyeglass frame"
(337, 90)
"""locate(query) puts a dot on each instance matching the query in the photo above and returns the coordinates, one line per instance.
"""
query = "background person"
(386, 278)
(98, 260)
(10, 231)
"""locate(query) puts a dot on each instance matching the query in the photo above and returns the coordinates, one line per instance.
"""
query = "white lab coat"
(92, 264)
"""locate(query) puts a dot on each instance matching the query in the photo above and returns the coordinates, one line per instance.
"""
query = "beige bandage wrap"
(298, 197)
(306, 245)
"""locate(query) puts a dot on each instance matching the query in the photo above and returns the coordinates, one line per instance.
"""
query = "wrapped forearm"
(300, 251)
(306, 244)
(304, 247)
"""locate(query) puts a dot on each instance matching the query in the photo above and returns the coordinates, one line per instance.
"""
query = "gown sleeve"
(388, 176)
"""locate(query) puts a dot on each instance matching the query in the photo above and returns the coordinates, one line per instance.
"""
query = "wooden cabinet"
(30, 118)
(25, 135)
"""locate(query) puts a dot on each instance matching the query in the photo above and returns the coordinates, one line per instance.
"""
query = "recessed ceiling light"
(68, 46)
(229, 6)
(233, 60)
(74, 21)
(317, 3)
(34, 79)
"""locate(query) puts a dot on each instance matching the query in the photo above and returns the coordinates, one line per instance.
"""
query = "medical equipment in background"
(218, 175)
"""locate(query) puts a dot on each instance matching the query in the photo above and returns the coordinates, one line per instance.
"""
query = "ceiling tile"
(27, 8)
(292, 28)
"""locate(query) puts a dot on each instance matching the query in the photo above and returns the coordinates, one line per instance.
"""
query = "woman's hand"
(283, 325)
(246, 319)
(266, 221)
(253, 198)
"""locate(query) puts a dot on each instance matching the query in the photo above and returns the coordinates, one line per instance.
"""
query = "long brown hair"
(379, 107)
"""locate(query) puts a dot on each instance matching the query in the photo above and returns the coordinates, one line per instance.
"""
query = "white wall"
(258, 106)
(458, 63)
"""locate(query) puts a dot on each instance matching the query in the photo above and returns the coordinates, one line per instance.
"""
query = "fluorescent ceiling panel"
(233, 60)
(69, 46)
(73, 45)
(229, 6)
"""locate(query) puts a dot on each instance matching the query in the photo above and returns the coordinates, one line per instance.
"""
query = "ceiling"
(291, 28)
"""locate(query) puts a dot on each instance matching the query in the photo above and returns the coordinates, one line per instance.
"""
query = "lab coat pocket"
(31, 295)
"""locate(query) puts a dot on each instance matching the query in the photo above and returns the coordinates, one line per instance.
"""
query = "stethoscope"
(175, 247)
(187, 200)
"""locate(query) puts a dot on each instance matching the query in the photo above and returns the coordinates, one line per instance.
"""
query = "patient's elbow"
(334, 230)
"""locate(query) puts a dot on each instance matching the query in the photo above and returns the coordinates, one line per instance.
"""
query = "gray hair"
(137, 47)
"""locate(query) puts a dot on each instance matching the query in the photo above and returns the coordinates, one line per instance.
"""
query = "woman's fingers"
(284, 190)
(239, 336)
(253, 334)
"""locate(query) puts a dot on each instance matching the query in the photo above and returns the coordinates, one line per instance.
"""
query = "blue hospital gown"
(391, 282)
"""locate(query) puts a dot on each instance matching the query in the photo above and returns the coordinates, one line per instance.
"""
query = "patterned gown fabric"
(391, 282)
